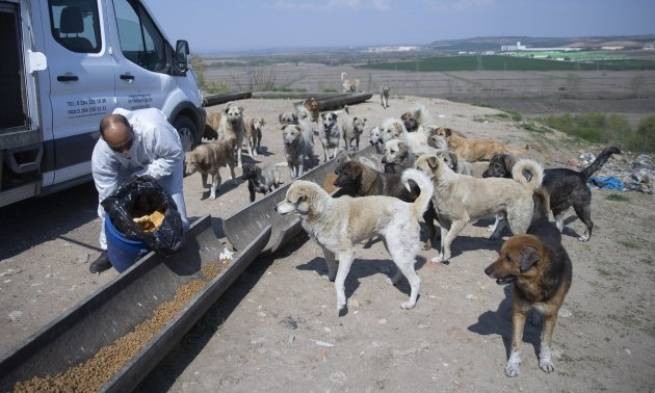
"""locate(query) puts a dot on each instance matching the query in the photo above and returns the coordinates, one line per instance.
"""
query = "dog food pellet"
(92, 374)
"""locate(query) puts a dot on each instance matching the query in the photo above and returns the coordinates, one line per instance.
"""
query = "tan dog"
(541, 273)
(472, 149)
(337, 224)
(253, 130)
(232, 128)
(207, 159)
(460, 199)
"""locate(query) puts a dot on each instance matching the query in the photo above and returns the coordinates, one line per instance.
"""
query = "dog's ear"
(455, 160)
(323, 116)
(226, 109)
(241, 110)
(509, 161)
(528, 257)
(448, 132)
(398, 127)
(364, 120)
(433, 162)
(403, 150)
(355, 118)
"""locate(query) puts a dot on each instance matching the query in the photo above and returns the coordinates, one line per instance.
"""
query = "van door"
(145, 58)
(82, 82)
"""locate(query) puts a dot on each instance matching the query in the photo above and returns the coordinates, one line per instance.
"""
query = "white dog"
(337, 224)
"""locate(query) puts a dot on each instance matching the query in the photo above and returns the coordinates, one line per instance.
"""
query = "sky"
(221, 25)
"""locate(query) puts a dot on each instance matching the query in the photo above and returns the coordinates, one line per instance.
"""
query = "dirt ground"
(277, 329)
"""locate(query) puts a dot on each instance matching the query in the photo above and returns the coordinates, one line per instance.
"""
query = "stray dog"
(207, 159)
(312, 107)
(254, 129)
(232, 128)
(438, 142)
(385, 92)
(457, 165)
(397, 157)
(375, 139)
(352, 128)
(297, 149)
(460, 199)
(566, 187)
(329, 134)
(416, 141)
(357, 179)
(416, 118)
(212, 124)
(540, 269)
(261, 180)
(337, 224)
(471, 149)
(286, 118)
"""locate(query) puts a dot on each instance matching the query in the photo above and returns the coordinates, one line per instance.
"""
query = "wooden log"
(218, 99)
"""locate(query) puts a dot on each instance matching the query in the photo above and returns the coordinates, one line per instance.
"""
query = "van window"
(140, 40)
(75, 24)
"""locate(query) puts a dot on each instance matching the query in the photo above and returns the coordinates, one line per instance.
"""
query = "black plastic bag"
(139, 197)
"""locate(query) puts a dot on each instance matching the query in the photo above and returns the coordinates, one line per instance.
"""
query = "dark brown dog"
(540, 269)
(356, 180)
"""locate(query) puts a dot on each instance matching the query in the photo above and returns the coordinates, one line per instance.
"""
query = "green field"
(508, 63)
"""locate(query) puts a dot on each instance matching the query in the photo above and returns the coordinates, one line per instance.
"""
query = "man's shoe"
(101, 264)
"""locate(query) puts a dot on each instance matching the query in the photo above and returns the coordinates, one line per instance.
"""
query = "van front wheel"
(188, 132)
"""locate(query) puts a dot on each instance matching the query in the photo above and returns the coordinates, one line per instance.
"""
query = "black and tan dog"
(567, 188)
(540, 270)
(356, 180)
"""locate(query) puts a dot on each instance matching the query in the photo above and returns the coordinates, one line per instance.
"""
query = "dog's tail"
(424, 184)
(528, 172)
(600, 161)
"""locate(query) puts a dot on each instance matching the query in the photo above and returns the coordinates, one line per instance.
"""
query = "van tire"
(188, 132)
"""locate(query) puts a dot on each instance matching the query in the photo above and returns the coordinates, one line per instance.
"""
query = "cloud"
(314, 5)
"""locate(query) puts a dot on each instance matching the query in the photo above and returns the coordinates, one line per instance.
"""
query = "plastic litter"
(607, 183)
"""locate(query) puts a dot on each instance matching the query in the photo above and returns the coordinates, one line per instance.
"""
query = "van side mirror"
(181, 60)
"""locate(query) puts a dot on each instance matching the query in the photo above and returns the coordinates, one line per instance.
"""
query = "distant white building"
(513, 48)
(384, 49)
(616, 47)
(518, 48)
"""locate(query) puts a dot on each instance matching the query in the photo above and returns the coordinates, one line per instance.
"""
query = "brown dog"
(208, 159)
(540, 269)
(472, 149)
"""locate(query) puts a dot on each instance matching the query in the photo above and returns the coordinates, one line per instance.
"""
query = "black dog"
(566, 187)
(263, 181)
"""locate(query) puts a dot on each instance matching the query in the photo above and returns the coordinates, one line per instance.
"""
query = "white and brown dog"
(338, 224)
(254, 129)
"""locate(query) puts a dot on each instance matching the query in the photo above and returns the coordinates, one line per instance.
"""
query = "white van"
(66, 64)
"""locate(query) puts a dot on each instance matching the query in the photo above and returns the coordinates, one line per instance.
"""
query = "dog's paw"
(546, 365)
(342, 311)
(584, 238)
(440, 259)
(408, 305)
(512, 369)
(212, 197)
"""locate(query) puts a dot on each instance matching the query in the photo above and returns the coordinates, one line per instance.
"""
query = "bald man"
(136, 143)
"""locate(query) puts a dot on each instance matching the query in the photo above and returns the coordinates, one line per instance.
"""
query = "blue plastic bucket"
(122, 251)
